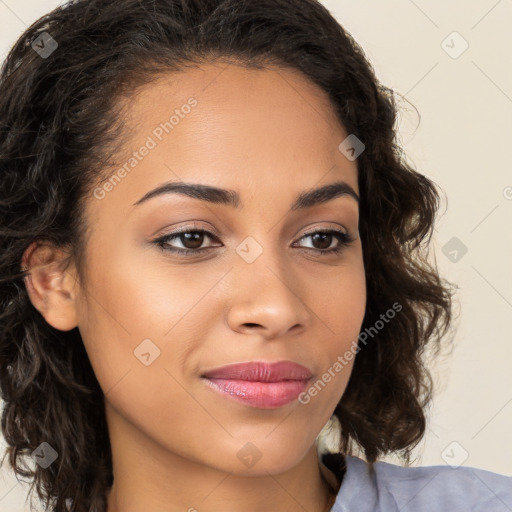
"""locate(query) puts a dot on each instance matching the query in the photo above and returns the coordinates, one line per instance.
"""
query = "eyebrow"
(306, 199)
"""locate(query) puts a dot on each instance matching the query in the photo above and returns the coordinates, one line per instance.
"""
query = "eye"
(325, 238)
(192, 240)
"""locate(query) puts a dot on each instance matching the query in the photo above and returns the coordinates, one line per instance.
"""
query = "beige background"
(463, 144)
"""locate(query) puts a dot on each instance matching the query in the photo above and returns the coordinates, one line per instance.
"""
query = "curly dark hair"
(61, 122)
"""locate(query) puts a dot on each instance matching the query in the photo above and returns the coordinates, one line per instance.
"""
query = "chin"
(264, 457)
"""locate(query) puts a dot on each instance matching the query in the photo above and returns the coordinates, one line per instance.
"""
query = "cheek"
(340, 304)
(154, 315)
(339, 307)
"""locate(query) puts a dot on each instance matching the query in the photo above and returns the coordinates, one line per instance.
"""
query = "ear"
(51, 284)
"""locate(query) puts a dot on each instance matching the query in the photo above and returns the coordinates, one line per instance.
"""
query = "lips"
(260, 385)
(261, 372)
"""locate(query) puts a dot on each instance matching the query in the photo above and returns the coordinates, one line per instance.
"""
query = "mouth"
(259, 384)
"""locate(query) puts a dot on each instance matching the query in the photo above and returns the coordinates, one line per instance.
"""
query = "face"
(257, 283)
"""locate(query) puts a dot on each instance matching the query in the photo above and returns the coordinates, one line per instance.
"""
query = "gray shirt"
(420, 489)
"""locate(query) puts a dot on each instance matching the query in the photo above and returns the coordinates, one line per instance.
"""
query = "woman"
(213, 251)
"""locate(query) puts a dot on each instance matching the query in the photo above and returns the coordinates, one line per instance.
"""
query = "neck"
(148, 477)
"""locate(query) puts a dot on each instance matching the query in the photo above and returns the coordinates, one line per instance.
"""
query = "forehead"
(235, 103)
(235, 127)
(234, 86)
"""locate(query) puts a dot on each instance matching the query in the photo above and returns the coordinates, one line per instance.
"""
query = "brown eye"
(191, 241)
(322, 241)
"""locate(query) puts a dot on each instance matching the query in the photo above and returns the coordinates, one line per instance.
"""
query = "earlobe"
(51, 284)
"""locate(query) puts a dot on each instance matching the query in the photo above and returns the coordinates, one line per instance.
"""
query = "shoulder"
(421, 489)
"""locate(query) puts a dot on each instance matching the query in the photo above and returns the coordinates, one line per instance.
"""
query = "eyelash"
(344, 239)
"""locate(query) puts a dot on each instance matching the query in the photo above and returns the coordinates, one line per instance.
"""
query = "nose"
(267, 298)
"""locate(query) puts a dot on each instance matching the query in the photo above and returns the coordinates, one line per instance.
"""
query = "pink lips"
(261, 385)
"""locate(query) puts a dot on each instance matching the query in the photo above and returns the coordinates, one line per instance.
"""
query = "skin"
(268, 134)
